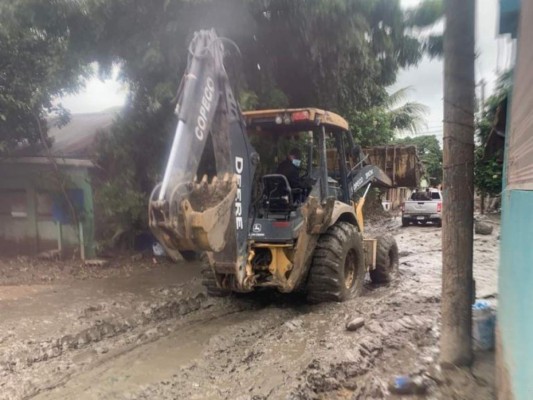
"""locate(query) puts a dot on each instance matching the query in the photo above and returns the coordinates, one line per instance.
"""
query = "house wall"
(515, 308)
(27, 225)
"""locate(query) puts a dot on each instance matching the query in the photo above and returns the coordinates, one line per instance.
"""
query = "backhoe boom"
(203, 202)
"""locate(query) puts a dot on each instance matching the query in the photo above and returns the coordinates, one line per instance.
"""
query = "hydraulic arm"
(203, 202)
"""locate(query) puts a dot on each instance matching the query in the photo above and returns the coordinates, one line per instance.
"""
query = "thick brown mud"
(156, 334)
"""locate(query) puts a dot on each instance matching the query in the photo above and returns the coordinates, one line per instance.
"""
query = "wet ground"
(138, 330)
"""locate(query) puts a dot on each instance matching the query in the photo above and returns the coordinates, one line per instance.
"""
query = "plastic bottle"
(406, 385)
(483, 324)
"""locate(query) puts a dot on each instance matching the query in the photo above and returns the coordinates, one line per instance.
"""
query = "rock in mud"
(295, 324)
(355, 324)
(483, 228)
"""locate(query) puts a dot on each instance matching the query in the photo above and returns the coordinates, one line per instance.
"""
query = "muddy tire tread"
(385, 269)
(326, 279)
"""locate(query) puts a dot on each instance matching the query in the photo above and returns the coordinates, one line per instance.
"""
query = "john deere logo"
(257, 228)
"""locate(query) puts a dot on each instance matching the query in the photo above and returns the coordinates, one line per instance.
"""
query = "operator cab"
(328, 156)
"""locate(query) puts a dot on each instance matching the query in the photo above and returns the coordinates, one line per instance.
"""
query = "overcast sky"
(426, 79)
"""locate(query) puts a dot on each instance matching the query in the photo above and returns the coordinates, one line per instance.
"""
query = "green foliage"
(39, 60)
(121, 211)
(427, 14)
(339, 55)
(488, 172)
(488, 167)
(371, 127)
(378, 125)
(334, 54)
(409, 116)
(430, 154)
(129, 162)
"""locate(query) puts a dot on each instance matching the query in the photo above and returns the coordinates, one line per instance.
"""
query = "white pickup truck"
(423, 206)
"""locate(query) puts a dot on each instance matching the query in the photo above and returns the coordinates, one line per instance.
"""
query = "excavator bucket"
(202, 203)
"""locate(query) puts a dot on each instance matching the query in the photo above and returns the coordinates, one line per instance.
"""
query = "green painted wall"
(34, 234)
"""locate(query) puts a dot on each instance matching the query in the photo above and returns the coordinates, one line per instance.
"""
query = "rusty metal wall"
(520, 150)
(400, 163)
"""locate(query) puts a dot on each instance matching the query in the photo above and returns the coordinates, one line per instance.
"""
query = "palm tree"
(409, 116)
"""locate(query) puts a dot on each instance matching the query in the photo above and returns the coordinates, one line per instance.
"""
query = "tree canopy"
(41, 57)
(379, 124)
(338, 55)
(335, 54)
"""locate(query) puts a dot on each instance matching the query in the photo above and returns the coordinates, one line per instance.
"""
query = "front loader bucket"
(196, 217)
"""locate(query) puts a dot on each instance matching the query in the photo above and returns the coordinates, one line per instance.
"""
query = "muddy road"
(155, 334)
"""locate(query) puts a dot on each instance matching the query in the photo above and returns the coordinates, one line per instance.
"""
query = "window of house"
(14, 203)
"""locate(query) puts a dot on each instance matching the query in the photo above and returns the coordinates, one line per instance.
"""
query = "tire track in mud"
(144, 338)
(289, 352)
(30, 367)
(332, 364)
(226, 315)
(266, 346)
(253, 339)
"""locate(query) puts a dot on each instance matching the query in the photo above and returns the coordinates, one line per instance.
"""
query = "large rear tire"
(387, 260)
(338, 267)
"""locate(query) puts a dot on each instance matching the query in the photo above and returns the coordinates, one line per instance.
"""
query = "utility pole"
(482, 84)
(458, 207)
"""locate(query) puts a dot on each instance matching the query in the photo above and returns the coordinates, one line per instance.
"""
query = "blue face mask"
(297, 163)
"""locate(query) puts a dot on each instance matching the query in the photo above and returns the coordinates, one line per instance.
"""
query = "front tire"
(387, 260)
(405, 222)
(338, 268)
